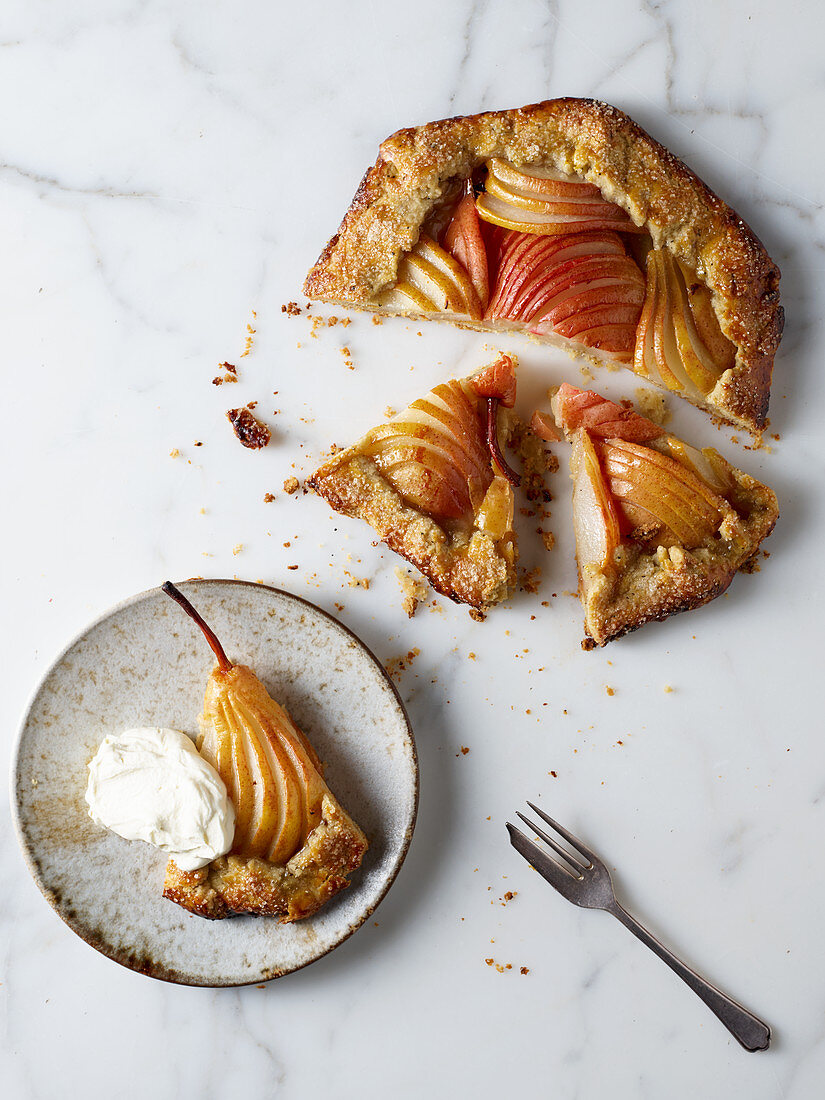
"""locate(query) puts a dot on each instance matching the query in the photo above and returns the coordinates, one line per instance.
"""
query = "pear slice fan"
(435, 485)
(660, 526)
(294, 845)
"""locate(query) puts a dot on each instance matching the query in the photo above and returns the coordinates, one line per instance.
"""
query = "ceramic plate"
(145, 664)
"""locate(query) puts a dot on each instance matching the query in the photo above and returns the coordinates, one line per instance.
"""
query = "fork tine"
(557, 848)
(581, 848)
(547, 867)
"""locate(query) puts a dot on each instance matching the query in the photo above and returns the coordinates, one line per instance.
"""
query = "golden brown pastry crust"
(647, 586)
(236, 884)
(607, 148)
(474, 569)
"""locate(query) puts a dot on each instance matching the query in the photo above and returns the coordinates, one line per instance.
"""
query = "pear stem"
(208, 633)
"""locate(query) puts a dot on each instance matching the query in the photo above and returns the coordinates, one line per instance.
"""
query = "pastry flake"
(660, 526)
(479, 220)
(435, 486)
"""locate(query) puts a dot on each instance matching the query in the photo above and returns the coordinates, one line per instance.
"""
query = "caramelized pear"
(678, 340)
(271, 772)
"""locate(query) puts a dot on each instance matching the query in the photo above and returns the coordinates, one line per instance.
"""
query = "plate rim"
(15, 763)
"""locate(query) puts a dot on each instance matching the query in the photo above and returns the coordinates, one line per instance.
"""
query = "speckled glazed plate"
(145, 664)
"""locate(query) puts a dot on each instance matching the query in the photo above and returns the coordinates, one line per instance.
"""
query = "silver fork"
(586, 882)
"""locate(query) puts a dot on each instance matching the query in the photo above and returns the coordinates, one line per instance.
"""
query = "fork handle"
(746, 1028)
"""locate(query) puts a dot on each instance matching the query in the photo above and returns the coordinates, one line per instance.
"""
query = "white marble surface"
(166, 170)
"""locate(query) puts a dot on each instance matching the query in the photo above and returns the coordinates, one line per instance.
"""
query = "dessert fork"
(583, 879)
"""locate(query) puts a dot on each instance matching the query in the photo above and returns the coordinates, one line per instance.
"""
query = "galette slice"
(567, 221)
(434, 484)
(294, 845)
(660, 526)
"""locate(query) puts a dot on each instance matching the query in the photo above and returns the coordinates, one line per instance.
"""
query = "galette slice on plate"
(434, 484)
(294, 845)
(567, 221)
(660, 526)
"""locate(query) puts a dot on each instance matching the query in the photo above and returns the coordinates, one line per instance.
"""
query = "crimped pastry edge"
(480, 576)
(650, 593)
(605, 146)
(233, 884)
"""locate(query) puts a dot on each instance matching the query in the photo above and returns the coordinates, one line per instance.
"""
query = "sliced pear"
(678, 340)
(595, 519)
(434, 452)
(463, 239)
(713, 473)
(461, 286)
(644, 355)
(580, 206)
(495, 513)
(272, 774)
(642, 477)
(543, 181)
(721, 351)
(404, 296)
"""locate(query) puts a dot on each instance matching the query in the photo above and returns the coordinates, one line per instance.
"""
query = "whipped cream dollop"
(152, 784)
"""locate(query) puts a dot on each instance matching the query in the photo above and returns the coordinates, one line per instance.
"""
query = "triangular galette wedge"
(433, 483)
(294, 844)
(660, 526)
(566, 220)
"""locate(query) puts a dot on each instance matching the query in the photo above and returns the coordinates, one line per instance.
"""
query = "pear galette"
(660, 526)
(433, 483)
(566, 220)
(294, 844)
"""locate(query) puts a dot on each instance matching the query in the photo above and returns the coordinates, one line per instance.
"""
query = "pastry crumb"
(250, 431)
(653, 405)
(530, 580)
(291, 309)
(548, 538)
(268, 498)
(668, 690)
(356, 582)
(292, 485)
(476, 615)
(536, 461)
(610, 690)
(230, 375)
(396, 665)
(414, 590)
(588, 644)
(174, 453)
(249, 338)
(237, 548)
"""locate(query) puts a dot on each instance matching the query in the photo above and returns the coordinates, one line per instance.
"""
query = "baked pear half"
(434, 484)
(565, 220)
(660, 526)
(294, 845)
